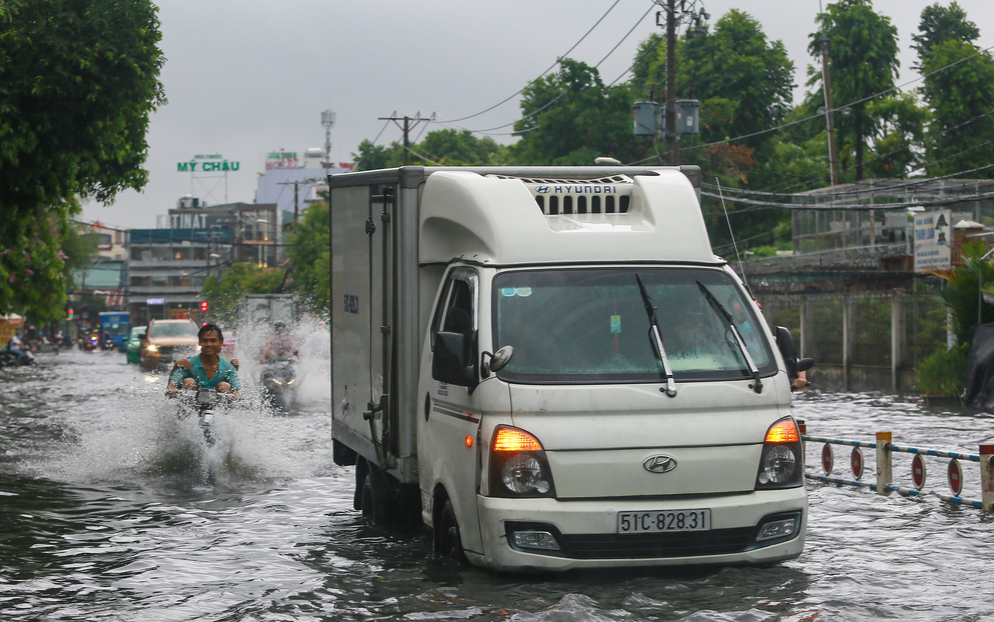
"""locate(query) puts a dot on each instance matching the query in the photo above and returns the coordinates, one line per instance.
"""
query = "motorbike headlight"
(518, 466)
(780, 464)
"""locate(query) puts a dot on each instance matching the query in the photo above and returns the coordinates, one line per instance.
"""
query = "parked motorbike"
(278, 377)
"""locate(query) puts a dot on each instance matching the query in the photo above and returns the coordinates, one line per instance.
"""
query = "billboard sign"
(207, 163)
(933, 235)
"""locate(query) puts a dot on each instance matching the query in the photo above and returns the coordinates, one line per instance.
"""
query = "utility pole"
(673, 147)
(830, 126)
(296, 193)
(407, 127)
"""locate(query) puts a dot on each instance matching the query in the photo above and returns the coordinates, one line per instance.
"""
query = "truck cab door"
(448, 457)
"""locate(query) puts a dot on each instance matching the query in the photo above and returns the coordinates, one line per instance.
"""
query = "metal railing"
(884, 450)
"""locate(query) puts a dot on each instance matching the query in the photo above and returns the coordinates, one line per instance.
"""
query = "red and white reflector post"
(884, 471)
(856, 463)
(955, 474)
(827, 458)
(987, 476)
(918, 471)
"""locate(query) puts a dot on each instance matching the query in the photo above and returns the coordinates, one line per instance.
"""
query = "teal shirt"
(226, 372)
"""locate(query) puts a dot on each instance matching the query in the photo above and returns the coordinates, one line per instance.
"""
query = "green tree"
(310, 258)
(222, 294)
(940, 24)
(457, 148)
(863, 62)
(960, 97)
(571, 118)
(743, 80)
(372, 156)
(78, 79)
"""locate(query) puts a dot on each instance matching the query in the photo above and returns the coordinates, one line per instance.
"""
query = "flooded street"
(106, 514)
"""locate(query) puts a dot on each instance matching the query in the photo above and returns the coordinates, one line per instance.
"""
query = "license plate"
(664, 520)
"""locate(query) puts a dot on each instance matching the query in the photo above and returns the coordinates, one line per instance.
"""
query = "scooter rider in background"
(207, 369)
(279, 346)
(16, 346)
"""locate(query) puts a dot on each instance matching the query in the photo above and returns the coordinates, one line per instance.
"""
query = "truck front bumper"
(586, 532)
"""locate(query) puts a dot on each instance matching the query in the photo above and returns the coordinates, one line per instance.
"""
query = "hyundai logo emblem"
(542, 189)
(659, 464)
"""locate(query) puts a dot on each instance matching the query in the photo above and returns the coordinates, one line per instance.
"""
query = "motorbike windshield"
(590, 326)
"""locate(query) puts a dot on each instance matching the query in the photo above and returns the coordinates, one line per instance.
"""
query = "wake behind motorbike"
(278, 378)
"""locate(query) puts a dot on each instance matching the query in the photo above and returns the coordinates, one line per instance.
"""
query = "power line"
(553, 66)
(563, 94)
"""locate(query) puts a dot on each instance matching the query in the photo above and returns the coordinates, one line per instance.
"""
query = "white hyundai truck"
(550, 367)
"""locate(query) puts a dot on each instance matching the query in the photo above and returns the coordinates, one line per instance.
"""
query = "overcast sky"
(246, 77)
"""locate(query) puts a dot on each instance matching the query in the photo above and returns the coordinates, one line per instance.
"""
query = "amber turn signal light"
(509, 439)
(783, 432)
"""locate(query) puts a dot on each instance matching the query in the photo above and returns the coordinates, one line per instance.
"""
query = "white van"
(553, 369)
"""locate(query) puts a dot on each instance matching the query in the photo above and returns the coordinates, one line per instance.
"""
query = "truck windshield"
(590, 326)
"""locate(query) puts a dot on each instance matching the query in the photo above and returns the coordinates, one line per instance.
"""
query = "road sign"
(932, 243)
(827, 458)
(955, 472)
(856, 462)
(918, 471)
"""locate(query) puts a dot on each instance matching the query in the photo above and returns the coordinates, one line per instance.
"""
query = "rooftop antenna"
(328, 122)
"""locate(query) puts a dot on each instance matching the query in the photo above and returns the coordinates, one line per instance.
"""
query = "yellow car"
(167, 341)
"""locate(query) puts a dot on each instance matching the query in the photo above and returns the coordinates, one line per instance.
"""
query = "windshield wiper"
(723, 313)
(657, 341)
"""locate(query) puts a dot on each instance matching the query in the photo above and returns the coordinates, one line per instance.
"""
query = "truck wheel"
(448, 542)
(375, 498)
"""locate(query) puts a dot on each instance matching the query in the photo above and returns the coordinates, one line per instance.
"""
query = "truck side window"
(455, 349)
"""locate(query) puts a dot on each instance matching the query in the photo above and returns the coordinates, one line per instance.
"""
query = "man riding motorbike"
(207, 369)
(279, 346)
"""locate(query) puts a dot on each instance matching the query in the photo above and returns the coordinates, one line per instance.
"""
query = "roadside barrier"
(885, 448)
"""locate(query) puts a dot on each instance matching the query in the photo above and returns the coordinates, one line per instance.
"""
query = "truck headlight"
(780, 464)
(518, 466)
(151, 348)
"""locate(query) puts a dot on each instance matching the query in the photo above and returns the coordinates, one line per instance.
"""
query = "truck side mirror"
(496, 361)
(449, 363)
(785, 343)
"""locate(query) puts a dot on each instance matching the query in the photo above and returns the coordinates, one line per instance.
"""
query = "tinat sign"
(207, 163)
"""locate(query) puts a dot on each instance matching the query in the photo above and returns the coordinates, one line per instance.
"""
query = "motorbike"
(91, 343)
(203, 403)
(10, 359)
(278, 377)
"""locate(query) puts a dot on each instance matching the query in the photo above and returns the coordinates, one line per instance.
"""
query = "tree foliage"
(940, 24)
(863, 62)
(78, 79)
(960, 97)
(570, 118)
(310, 258)
(223, 294)
(446, 147)
(743, 80)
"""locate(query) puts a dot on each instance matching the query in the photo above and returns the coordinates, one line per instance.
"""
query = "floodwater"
(106, 514)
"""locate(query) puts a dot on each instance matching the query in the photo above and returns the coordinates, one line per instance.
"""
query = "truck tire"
(448, 541)
(377, 506)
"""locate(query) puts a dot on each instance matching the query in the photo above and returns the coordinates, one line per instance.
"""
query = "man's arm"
(179, 374)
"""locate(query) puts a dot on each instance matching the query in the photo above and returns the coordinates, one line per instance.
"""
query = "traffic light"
(69, 314)
(203, 306)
